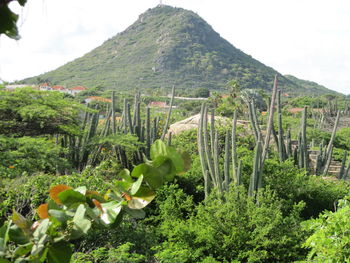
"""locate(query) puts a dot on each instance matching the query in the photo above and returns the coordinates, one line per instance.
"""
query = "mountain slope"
(310, 86)
(167, 46)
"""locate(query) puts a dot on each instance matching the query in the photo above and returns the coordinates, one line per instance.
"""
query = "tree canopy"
(28, 112)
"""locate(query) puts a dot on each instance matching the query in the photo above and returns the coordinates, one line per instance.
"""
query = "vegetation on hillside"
(170, 46)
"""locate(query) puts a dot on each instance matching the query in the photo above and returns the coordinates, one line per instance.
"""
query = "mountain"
(168, 46)
(310, 86)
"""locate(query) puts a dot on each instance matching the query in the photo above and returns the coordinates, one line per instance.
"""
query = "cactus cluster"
(324, 158)
(209, 154)
(85, 149)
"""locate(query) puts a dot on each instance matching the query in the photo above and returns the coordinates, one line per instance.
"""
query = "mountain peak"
(167, 46)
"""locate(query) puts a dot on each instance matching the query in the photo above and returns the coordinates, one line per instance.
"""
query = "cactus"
(166, 126)
(329, 150)
(255, 177)
(234, 147)
(281, 145)
(227, 162)
(270, 122)
(342, 169)
(239, 173)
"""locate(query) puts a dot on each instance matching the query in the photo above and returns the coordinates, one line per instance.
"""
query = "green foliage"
(26, 193)
(29, 155)
(293, 185)
(330, 240)
(28, 112)
(201, 93)
(70, 213)
(233, 228)
(8, 19)
(342, 139)
(312, 102)
(121, 254)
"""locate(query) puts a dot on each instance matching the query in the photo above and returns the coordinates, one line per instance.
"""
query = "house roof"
(79, 88)
(99, 99)
(44, 85)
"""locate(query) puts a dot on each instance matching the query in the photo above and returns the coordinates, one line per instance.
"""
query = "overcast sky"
(309, 39)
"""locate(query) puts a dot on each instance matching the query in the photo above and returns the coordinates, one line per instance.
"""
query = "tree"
(28, 112)
(233, 87)
(8, 19)
(201, 93)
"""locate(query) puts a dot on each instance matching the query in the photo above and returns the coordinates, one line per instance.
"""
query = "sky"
(309, 39)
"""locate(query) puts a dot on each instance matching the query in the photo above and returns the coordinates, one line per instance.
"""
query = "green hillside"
(167, 46)
(310, 86)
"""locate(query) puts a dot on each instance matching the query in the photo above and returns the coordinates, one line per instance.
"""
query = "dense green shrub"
(26, 193)
(342, 139)
(121, 254)
(293, 185)
(330, 241)
(233, 228)
(29, 155)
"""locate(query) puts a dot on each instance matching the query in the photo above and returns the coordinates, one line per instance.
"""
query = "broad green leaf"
(60, 215)
(2, 260)
(158, 148)
(150, 174)
(60, 252)
(20, 221)
(140, 170)
(125, 175)
(135, 213)
(142, 198)
(136, 186)
(110, 211)
(24, 249)
(81, 224)
(167, 171)
(81, 189)
(4, 235)
(17, 235)
(176, 159)
(41, 230)
(8, 21)
(122, 186)
(70, 197)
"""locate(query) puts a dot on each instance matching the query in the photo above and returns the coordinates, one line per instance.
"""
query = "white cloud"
(308, 39)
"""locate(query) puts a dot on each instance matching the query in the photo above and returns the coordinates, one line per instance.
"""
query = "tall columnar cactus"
(255, 179)
(166, 126)
(234, 147)
(329, 151)
(281, 146)
(252, 117)
(270, 122)
(303, 151)
(346, 173)
(227, 162)
(342, 168)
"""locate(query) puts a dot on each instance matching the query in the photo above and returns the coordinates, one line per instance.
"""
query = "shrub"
(330, 241)
(233, 228)
(29, 155)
